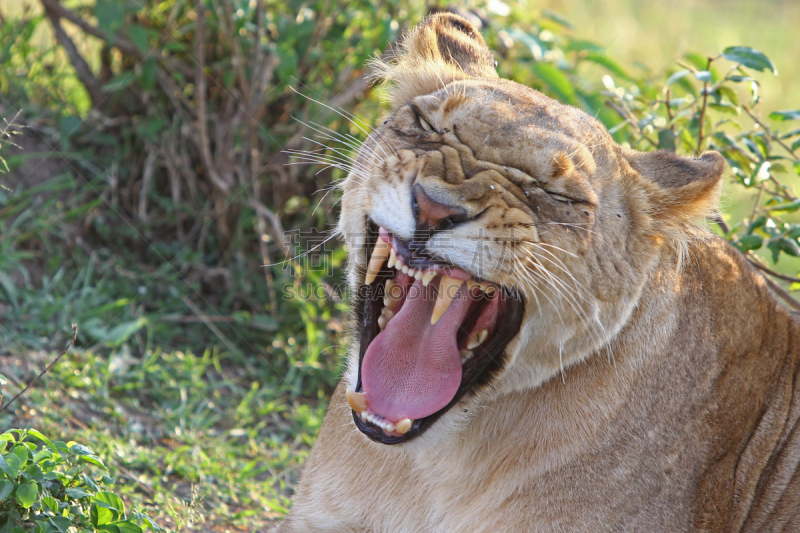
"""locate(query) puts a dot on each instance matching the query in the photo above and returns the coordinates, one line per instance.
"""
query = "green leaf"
(796, 144)
(127, 526)
(678, 75)
(750, 58)
(61, 523)
(557, 17)
(6, 487)
(101, 515)
(749, 242)
(120, 82)
(76, 493)
(793, 114)
(556, 81)
(666, 139)
(92, 459)
(703, 75)
(111, 501)
(578, 45)
(9, 463)
(139, 36)
(725, 107)
(21, 451)
(26, 493)
(606, 61)
(110, 14)
(51, 504)
(789, 246)
(38, 435)
(34, 472)
(786, 207)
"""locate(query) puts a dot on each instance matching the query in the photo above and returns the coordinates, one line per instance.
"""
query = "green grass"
(207, 442)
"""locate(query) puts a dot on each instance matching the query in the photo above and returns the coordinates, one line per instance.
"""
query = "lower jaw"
(477, 373)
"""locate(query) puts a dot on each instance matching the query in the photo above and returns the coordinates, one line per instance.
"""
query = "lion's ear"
(441, 49)
(685, 188)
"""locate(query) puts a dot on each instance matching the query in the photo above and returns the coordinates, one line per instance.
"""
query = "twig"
(200, 94)
(769, 131)
(43, 372)
(205, 319)
(703, 109)
(780, 291)
(78, 62)
(758, 264)
(717, 218)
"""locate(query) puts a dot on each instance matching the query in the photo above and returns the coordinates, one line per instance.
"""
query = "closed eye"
(562, 198)
(423, 122)
(425, 125)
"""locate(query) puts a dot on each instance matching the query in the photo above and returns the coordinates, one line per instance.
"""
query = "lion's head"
(496, 236)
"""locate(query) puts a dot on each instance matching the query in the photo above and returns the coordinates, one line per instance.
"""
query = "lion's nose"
(433, 215)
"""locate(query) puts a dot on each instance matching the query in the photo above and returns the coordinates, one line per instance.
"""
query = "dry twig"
(43, 372)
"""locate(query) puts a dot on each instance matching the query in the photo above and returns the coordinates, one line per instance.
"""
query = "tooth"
(418, 274)
(392, 258)
(357, 401)
(382, 321)
(448, 288)
(471, 284)
(388, 313)
(477, 338)
(427, 277)
(466, 355)
(403, 426)
(488, 288)
(379, 255)
(389, 300)
(389, 427)
(404, 269)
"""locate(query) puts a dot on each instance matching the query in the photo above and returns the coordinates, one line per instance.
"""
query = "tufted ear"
(682, 189)
(442, 48)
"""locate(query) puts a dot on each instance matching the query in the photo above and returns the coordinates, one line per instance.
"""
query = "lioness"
(545, 339)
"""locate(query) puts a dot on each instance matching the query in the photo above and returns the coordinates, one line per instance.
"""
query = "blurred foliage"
(155, 181)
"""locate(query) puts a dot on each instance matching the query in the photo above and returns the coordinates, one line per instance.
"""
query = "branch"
(43, 372)
(765, 268)
(200, 92)
(703, 109)
(78, 62)
(769, 131)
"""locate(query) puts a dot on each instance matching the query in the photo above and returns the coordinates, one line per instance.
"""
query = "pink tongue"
(412, 369)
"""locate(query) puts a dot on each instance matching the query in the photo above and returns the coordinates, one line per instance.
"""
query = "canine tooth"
(471, 284)
(389, 301)
(357, 401)
(392, 258)
(448, 288)
(477, 338)
(403, 426)
(379, 255)
(418, 274)
(427, 277)
(488, 288)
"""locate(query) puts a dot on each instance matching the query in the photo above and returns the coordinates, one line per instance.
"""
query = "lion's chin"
(430, 333)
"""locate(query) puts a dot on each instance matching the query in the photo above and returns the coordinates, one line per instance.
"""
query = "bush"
(50, 487)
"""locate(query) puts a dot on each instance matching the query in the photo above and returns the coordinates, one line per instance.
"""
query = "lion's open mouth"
(430, 333)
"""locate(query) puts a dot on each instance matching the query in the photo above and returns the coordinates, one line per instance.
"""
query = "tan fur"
(653, 384)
